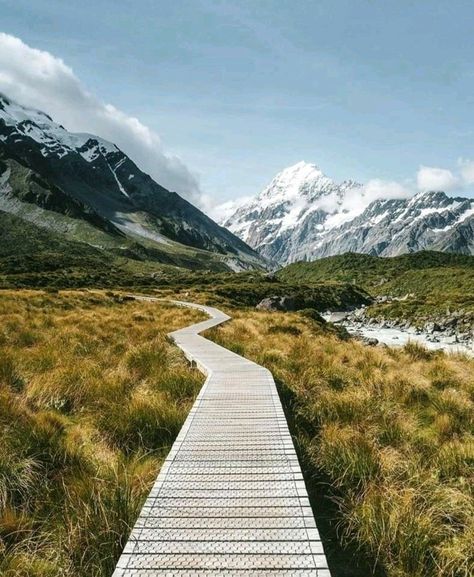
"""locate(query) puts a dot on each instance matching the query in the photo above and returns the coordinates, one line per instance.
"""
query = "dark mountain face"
(88, 178)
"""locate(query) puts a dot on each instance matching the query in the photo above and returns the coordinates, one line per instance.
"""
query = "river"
(396, 337)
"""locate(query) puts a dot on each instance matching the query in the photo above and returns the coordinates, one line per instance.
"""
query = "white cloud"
(467, 170)
(40, 80)
(375, 189)
(358, 199)
(433, 178)
(221, 212)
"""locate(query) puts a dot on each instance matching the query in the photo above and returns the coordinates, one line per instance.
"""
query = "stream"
(397, 337)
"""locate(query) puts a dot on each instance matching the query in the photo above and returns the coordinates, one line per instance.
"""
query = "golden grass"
(389, 430)
(92, 395)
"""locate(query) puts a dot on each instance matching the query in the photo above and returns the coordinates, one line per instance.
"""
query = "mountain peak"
(294, 183)
(13, 113)
(303, 214)
(298, 173)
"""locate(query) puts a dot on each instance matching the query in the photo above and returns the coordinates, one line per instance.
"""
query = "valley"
(365, 319)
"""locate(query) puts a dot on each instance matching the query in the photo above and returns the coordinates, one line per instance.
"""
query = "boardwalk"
(230, 499)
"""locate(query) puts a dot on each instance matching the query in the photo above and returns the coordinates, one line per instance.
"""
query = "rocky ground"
(458, 324)
(450, 331)
(456, 327)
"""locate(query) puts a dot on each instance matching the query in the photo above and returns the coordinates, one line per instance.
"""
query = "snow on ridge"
(461, 218)
(56, 139)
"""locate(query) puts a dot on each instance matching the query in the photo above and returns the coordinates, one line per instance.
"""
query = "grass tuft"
(92, 396)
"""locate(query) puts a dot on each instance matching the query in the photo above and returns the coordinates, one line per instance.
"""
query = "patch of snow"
(91, 154)
(119, 184)
(464, 216)
(119, 163)
(125, 223)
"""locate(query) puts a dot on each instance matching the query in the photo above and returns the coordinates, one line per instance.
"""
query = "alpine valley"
(304, 215)
(79, 188)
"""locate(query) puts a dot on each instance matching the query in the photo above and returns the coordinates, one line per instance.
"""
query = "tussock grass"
(387, 432)
(92, 395)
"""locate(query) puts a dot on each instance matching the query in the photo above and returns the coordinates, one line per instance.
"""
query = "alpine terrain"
(87, 189)
(304, 215)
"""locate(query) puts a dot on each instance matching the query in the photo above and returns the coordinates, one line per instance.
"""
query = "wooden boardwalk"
(230, 499)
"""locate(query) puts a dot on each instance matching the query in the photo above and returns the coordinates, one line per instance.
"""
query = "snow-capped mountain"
(303, 215)
(84, 177)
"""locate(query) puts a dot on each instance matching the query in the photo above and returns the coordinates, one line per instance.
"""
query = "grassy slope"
(386, 433)
(381, 275)
(32, 256)
(91, 397)
(436, 281)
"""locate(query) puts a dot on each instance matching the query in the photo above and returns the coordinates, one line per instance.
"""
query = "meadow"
(385, 437)
(92, 395)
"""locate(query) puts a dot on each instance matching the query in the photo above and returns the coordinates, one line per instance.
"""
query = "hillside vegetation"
(32, 256)
(386, 440)
(383, 275)
(92, 395)
(247, 289)
(432, 284)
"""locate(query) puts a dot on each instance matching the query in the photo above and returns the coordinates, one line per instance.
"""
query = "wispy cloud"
(40, 80)
(467, 170)
(435, 178)
(221, 212)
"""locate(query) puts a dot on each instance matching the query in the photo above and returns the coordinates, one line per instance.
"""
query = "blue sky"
(239, 90)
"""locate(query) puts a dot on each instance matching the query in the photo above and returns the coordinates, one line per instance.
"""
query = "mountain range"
(303, 215)
(85, 188)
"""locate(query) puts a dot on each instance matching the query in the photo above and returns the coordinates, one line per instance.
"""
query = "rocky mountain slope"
(84, 186)
(303, 215)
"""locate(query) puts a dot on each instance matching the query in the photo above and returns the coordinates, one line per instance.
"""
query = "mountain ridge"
(304, 215)
(86, 177)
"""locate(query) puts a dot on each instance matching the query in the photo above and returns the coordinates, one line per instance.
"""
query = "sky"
(213, 98)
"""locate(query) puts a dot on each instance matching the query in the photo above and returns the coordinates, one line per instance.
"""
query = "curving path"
(230, 499)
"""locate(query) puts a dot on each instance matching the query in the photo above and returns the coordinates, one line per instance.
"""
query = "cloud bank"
(38, 79)
(467, 170)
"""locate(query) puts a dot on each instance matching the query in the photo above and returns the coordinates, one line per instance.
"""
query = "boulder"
(276, 303)
(431, 327)
(371, 341)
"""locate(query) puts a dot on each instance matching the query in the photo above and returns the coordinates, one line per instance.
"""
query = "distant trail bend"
(230, 498)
